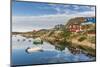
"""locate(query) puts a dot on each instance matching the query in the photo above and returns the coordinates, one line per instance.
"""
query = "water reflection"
(60, 47)
(52, 53)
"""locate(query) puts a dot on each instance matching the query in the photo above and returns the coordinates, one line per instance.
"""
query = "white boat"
(34, 49)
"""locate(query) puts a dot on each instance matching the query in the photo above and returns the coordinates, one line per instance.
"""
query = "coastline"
(85, 47)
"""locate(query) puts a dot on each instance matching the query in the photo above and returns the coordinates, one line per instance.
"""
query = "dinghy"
(34, 49)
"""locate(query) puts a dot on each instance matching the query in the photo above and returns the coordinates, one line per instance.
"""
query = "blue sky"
(31, 8)
(27, 16)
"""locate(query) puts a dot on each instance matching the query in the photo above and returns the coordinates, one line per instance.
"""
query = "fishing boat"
(37, 41)
(34, 49)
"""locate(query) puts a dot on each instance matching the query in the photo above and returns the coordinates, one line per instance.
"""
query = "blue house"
(90, 19)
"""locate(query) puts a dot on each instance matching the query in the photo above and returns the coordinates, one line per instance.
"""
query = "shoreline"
(85, 49)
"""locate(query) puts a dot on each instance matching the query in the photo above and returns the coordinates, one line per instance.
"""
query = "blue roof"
(90, 19)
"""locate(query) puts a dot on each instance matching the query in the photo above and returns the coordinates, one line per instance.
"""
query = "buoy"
(29, 40)
(23, 39)
(18, 40)
(33, 49)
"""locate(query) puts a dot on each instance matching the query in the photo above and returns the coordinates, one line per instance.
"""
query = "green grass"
(89, 50)
(82, 39)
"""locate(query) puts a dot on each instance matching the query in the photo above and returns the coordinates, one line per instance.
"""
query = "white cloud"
(76, 7)
(70, 9)
(93, 8)
(37, 22)
(86, 14)
(25, 23)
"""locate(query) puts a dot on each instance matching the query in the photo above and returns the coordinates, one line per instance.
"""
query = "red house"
(74, 27)
(34, 30)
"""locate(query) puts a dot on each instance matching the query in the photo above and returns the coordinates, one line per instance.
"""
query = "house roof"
(86, 23)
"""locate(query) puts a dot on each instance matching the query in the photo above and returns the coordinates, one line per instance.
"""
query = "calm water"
(50, 54)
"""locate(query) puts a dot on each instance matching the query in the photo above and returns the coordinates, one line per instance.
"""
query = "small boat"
(15, 35)
(23, 39)
(33, 49)
(29, 40)
(37, 41)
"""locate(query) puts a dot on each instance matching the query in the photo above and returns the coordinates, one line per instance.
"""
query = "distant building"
(91, 33)
(86, 23)
(74, 28)
(79, 27)
(34, 30)
(90, 19)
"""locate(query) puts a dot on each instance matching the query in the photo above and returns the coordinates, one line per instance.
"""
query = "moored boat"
(34, 49)
(37, 41)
